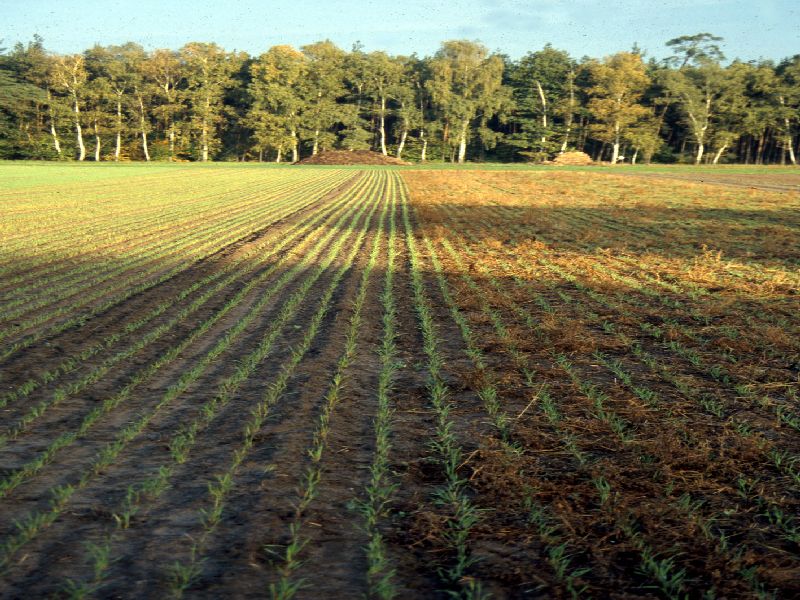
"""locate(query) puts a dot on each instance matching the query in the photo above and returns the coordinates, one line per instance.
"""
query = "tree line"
(201, 102)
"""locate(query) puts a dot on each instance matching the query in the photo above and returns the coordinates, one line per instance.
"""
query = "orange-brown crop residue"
(641, 339)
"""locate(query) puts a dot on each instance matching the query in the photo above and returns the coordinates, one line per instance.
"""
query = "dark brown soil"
(777, 182)
(351, 157)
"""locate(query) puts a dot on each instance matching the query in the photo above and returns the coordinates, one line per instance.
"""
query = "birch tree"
(98, 98)
(619, 82)
(544, 86)
(788, 92)
(112, 82)
(69, 73)
(134, 59)
(383, 79)
(322, 86)
(165, 70)
(698, 83)
(277, 103)
(466, 85)
(209, 71)
(406, 93)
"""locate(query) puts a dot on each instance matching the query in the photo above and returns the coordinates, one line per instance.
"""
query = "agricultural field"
(311, 382)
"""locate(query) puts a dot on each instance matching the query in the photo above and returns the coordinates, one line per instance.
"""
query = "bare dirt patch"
(351, 157)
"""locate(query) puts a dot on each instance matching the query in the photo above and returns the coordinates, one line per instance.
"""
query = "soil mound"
(351, 157)
(573, 159)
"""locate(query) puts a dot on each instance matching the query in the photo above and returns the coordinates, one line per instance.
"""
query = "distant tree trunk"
(787, 140)
(143, 127)
(118, 147)
(295, 157)
(599, 155)
(315, 148)
(583, 133)
(462, 142)
(635, 156)
(570, 110)
(382, 126)
(78, 129)
(543, 100)
(424, 141)
(401, 145)
(96, 142)
(53, 132)
(280, 154)
(719, 154)
(56, 143)
(760, 149)
(615, 145)
(204, 131)
(700, 150)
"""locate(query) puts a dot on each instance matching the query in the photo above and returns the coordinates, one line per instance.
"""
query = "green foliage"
(201, 102)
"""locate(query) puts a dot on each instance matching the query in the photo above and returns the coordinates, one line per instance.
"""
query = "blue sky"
(752, 28)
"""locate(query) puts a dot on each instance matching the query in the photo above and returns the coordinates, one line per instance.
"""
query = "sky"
(752, 29)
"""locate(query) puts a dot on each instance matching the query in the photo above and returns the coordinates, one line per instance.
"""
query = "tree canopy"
(202, 102)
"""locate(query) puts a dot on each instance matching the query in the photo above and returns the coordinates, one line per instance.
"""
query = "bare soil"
(640, 337)
(351, 157)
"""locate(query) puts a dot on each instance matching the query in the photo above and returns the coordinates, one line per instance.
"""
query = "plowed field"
(337, 383)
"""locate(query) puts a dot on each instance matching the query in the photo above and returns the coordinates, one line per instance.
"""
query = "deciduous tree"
(322, 87)
(277, 102)
(466, 85)
(209, 71)
(69, 73)
(619, 82)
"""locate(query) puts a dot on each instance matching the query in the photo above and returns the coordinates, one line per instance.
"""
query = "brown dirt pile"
(351, 157)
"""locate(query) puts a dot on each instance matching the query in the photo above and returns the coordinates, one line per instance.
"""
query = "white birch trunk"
(143, 127)
(614, 153)
(719, 154)
(204, 131)
(402, 144)
(53, 132)
(144, 144)
(118, 147)
(787, 144)
(56, 143)
(315, 149)
(424, 141)
(382, 127)
(615, 145)
(78, 130)
(170, 120)
(462, 142)
(635, 156)
(569, 113)
(280, 154)
(544, 110)
(96, 142)
(699, 156)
